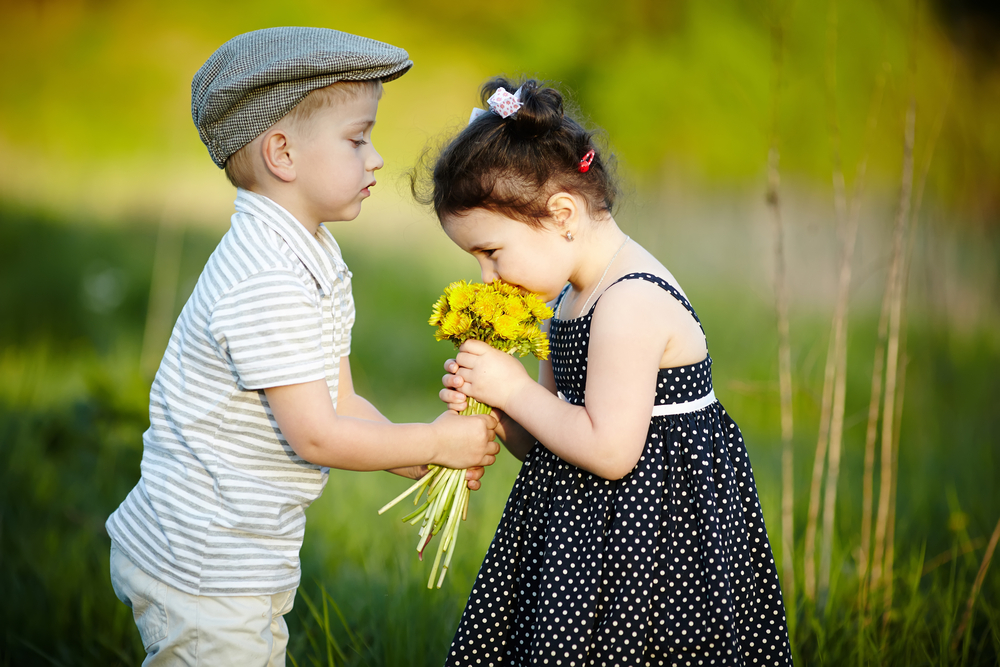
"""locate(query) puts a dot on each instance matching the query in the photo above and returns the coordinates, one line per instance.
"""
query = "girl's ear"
(276, 153)
(564, 212)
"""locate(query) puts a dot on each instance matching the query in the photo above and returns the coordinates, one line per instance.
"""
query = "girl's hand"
(489, 375)
(452, 384)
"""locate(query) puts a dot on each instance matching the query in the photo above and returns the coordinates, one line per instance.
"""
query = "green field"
(73, 406)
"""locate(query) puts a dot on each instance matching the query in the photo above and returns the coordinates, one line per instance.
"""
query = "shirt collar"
(320, 254)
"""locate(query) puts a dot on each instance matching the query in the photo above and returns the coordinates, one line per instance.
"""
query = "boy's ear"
(563, 211)
(276, 153)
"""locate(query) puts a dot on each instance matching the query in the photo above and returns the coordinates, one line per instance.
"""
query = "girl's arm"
(350, 404)
(316, 432)
(632, 328)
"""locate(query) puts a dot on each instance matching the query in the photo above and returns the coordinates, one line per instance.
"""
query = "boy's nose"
(376, 161)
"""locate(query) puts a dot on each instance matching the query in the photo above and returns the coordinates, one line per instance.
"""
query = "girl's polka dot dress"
(669, 565)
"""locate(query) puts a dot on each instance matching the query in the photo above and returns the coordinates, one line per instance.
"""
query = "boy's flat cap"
(255, 78)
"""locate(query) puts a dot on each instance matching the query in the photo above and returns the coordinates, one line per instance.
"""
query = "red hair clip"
(585, 161)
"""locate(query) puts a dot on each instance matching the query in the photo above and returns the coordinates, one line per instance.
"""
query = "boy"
(253, 401)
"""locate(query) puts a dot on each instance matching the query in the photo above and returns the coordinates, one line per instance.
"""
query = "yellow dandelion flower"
(462, 296)
(497, 313)
(507, 327)
(504, 288)
(539, 309)
(516, 308)
(540, 345)
(438, 312)
(456, 323)
(487, 305)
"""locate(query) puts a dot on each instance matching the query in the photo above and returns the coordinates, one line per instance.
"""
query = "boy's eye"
(488, 252)
(358, 143)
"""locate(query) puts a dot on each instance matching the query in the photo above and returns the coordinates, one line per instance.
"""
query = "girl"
(633, 534)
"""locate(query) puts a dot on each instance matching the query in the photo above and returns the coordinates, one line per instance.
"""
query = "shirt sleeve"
(270, 328)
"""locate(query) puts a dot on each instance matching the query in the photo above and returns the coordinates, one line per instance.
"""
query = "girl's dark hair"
(513, 165)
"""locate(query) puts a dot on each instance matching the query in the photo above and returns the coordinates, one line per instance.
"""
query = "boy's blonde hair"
(240, 165)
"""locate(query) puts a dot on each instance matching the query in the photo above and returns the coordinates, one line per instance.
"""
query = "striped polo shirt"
(219, 508)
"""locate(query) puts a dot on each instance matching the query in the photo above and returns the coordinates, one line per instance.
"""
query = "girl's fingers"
(464, 360)
(453, 381)
(455, 400)
(451, 366)
(451, 396)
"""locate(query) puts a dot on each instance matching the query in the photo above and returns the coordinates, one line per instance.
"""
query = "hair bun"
(511, 165)
(541, 109)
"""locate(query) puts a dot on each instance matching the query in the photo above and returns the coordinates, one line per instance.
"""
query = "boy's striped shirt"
(219, 508)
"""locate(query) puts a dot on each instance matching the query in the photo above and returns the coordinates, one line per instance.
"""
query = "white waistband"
(681, 408)
(665, 409)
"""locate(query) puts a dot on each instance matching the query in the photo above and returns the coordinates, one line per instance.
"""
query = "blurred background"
(864, 137)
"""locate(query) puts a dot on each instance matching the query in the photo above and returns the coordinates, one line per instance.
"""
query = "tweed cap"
(255, 78)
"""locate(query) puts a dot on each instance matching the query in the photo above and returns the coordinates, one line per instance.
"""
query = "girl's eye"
(489, 253)
(358, 143)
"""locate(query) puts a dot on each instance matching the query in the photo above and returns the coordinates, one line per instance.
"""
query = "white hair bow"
(501, 103)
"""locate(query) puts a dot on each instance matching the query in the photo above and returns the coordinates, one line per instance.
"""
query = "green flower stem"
(474, 407)
(447, 544)
(451, 526)
(454, 534)
(423, 481)
(417, 514)
(444, 507)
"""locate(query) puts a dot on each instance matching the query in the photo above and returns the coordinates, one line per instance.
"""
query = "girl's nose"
(488, 273)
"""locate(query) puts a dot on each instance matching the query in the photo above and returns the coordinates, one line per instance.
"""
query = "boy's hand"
(467, 441)
(488, 375)
(473, 475)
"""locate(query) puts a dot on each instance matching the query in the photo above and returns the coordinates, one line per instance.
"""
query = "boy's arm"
(312, 427)
(350, 404)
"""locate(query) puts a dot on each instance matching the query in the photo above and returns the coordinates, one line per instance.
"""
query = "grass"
(73, 407)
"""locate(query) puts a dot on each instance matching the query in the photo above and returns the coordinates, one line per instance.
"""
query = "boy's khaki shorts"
(182, 629)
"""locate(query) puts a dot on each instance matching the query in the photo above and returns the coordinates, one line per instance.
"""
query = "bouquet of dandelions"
(500, 315)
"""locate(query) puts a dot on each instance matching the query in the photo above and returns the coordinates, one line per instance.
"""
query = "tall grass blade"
(323, 622)
(895, 285)
(784, 345)
(356, 642)
(819, 462)
(833, 378)
(866, 565)
(976, 586)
